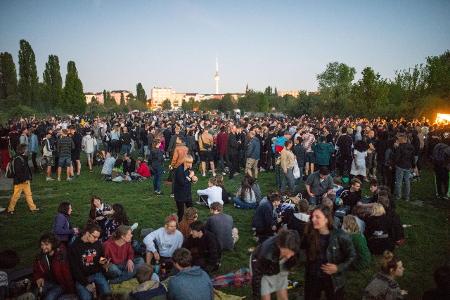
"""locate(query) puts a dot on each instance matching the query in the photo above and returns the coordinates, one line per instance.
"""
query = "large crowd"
(315, 213)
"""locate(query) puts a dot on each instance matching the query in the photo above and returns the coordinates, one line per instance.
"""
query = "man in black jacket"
(264, 220)
(22, 179)
(404, 163)
(233, 152)
(204, 247)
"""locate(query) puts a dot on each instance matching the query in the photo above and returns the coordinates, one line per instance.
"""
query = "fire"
(443, 118)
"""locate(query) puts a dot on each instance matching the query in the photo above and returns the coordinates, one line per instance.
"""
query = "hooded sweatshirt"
(191, 284)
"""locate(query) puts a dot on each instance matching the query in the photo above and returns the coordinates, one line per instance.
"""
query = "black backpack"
(10, 172)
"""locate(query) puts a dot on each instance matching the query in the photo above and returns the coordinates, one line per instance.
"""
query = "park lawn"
(427, 246)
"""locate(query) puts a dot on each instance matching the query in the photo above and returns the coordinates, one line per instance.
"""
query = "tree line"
(418, 91)
(26, 95)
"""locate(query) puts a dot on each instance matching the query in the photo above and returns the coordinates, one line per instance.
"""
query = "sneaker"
(59, 179)
(172, 196)
(203, 174)
(223, 173)
(134, 226)
(10, 212)
(158, 192)
(49, 179)
(35, 210)
(69, 179)
(2, 209)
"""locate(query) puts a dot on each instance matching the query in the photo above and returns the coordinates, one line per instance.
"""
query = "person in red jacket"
(51, 270)
(143, 168)
(222, 148)
(120, 254)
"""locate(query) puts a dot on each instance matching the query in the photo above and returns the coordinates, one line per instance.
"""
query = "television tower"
(216, 76)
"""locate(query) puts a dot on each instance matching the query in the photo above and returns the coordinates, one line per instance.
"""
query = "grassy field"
(427, 246)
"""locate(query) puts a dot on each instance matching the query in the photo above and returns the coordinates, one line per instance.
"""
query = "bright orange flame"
(443, 118)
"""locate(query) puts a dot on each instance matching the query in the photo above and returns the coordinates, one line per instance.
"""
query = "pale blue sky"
(116, 44)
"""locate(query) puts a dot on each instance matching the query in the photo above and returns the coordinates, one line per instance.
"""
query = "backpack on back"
(10, 172)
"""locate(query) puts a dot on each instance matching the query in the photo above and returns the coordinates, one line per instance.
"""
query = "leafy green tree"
(52, 89)
(438, 74)
(263, 102)
(268, 91)
(8, 76)
(140, 93)
(74, 100)
(335, 85)
(122, 99)
(226, 103)
(166, 105)
(28, 79)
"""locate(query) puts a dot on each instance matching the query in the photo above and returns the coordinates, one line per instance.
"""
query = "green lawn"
(427, 245)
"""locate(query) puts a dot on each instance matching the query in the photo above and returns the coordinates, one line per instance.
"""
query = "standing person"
(76, 151)
(441, 165)
(191, 282)
(183, 178)
(329, 254)
(270, 264)
(205, 144)
(156, 159)
(125, 141)
(308, 140)
(323, 152)
(253, 155)
(22, 180)
(64, 147)
(287, 162)
(62, 227)
(115, 140)
(51, 269)
(24, 139)
(89, 144)
(118, 250)
(34, 148)
(222, 148)
(233, 152)
(404, 163)
(300, 155)
(383, 285)
(48, 149)
(344, 152)
(87, 264)
(359, 160)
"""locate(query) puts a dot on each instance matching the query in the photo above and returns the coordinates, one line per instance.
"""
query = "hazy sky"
(116, 44)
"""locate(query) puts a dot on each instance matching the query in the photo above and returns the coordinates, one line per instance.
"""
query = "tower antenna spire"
(216, 76)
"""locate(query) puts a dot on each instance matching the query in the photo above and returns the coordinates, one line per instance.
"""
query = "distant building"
(293, 93)
(99, 96)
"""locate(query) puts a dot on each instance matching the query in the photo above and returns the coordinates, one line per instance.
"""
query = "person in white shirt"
(162, 242)
(88, 144)
(210, 195)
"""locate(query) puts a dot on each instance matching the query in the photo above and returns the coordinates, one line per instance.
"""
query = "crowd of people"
(315, 212)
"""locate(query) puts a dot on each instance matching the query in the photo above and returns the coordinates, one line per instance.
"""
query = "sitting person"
(318, 184)
(296, 219)
(51, 269)
(62, 227)
(142, 168)
(99, 213)
(379, 231)
(245, 196)
(270, 264)
(210, 195)
(8, 261)
(190, 216)
(441, 279)
(191, 282)
(128, 165)
(265, 221)
(398, 234)
(204, 246)
(255, 187)
(226, 197)
(383, 285)
(108, 166)
(352, 197)
(117, 218)
(221, 225)
(162, 243)
(363, 256)
(149, 286)
(120, 254)
(87, 264)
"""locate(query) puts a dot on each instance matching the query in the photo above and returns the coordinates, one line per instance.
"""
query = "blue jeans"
(119, 273)
(242, 204)
(157, 176)
(289, 179)
(101, 285)
(126, 149)
(51, 290)
(402, 175)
